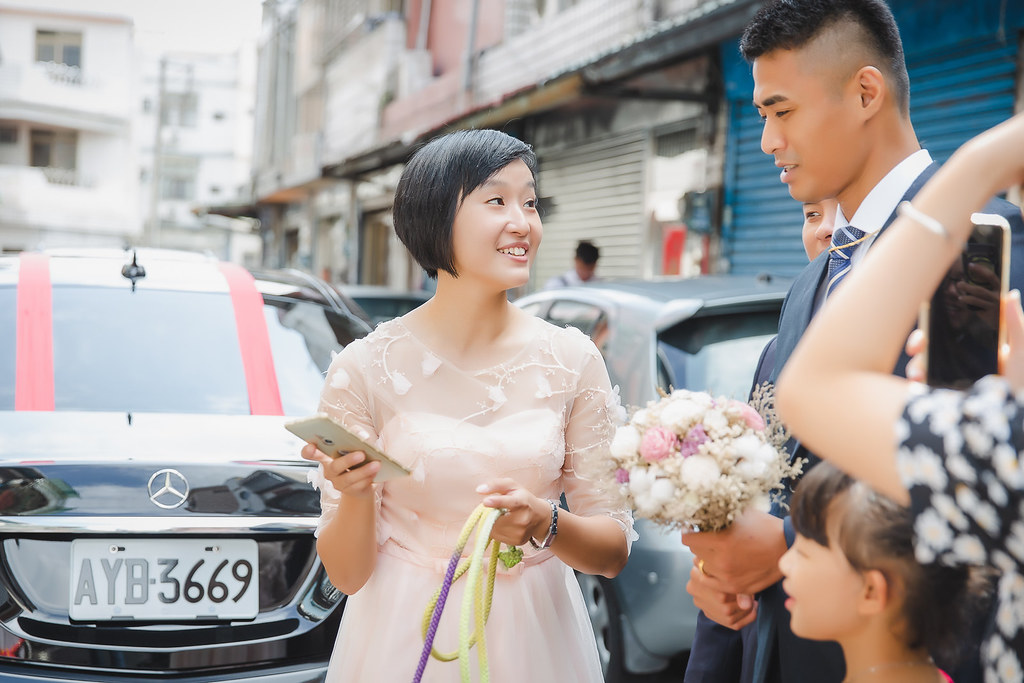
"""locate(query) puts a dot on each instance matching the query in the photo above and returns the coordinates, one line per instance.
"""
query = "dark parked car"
(155, 517)
(701, 334)
(383, 303)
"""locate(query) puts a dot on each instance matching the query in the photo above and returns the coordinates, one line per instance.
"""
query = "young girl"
(851, 577)
(484, 404)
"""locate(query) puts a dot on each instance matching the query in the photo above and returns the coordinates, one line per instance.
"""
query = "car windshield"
(717, 354)
(381, 308)
(173, 351)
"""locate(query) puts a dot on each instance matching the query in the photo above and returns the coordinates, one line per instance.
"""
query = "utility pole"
(153, 238)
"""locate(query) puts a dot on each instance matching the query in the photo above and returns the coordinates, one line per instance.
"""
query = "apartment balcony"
(556, 45)
(59, 200)
(58, 95)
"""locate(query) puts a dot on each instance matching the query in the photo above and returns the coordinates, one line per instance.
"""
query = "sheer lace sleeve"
(593, 417)
(346, 398)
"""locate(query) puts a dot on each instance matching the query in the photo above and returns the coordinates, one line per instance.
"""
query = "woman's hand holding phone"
(344, 472)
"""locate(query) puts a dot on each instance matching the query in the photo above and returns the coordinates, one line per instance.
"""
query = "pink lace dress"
(529, 419)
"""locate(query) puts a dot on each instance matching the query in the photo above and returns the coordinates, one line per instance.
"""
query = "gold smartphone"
(335, 440)
(963, 320)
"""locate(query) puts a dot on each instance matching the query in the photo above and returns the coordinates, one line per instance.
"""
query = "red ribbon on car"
(254, 341)
(33, 359)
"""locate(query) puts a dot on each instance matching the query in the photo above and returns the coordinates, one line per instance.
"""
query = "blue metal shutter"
(958, 89)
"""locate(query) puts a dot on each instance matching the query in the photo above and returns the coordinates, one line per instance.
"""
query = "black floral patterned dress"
(959, 454)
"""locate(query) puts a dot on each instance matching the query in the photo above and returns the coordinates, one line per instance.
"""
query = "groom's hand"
(729, 610)
(744, 558)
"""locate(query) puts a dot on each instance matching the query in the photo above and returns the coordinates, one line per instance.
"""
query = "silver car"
(702, 334)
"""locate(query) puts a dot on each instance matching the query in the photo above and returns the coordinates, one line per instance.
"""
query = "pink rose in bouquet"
(657, 444)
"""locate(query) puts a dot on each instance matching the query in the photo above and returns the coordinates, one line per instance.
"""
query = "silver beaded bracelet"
(921, 218)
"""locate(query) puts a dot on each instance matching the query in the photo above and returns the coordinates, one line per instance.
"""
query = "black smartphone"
(963, 320)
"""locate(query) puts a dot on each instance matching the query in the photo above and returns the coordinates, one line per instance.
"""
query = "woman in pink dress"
(484, 404)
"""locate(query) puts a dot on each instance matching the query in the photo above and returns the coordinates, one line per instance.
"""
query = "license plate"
(164, 579)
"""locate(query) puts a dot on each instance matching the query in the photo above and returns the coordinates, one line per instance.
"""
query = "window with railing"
(180, 109)
(56, 153)
(61, 53)
(178, 177)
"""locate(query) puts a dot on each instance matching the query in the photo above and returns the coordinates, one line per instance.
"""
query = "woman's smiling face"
(497, 229)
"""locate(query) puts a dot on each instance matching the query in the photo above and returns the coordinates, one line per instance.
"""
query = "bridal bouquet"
(691, 460)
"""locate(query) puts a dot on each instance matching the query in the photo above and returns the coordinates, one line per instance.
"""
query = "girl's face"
(819, 219)
(497, 229)
(823, 590)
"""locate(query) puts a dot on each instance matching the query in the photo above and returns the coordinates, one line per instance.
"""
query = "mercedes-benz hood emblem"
(168, 489)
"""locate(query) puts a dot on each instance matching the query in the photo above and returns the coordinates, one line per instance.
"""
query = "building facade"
(194, 133)
(67, 162)
(639, 111)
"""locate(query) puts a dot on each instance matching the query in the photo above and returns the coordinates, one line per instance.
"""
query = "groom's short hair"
(793, 24)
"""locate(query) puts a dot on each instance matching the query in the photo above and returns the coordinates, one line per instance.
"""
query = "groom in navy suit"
(830, 82)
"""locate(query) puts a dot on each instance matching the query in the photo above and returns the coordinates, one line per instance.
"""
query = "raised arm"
(841, 368)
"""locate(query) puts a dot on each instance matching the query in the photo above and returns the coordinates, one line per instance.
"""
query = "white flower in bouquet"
(625, 442)
(692, 460)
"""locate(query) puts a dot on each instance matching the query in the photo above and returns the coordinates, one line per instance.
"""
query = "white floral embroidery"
(497, 396)
(340, 379)
(400, 383)
(430, 364)
(543, 388)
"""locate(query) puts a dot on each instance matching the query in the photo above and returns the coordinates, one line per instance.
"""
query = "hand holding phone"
(963, 320)
(331, 437)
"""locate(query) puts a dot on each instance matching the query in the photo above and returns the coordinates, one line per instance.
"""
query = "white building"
(68, 171)
(198, 152)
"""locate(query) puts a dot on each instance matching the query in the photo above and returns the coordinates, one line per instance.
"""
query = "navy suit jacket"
(782, 656)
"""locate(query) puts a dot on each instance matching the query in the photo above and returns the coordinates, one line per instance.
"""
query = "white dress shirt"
(877, 206)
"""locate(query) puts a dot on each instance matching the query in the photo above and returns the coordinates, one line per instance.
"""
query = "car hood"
(147, 437)
(103, 464)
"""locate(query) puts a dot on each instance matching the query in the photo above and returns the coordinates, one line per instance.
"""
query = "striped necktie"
(845, 241)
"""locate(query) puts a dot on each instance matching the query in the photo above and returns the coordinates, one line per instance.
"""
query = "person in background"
(830, 83)
(583, 270)
(953, 456)
(851, 577)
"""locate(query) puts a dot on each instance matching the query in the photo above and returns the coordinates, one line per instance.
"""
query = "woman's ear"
(876, 595)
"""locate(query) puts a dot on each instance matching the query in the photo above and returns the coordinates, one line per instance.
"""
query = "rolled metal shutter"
(958, 90)
(594, 191)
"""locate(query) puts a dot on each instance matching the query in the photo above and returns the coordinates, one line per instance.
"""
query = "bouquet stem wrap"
(476, 601)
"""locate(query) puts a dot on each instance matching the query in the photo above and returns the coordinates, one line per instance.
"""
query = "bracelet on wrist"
(552, 529)
(932, 225)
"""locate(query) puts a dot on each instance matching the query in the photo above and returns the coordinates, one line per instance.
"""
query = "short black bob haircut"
(436, 180)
